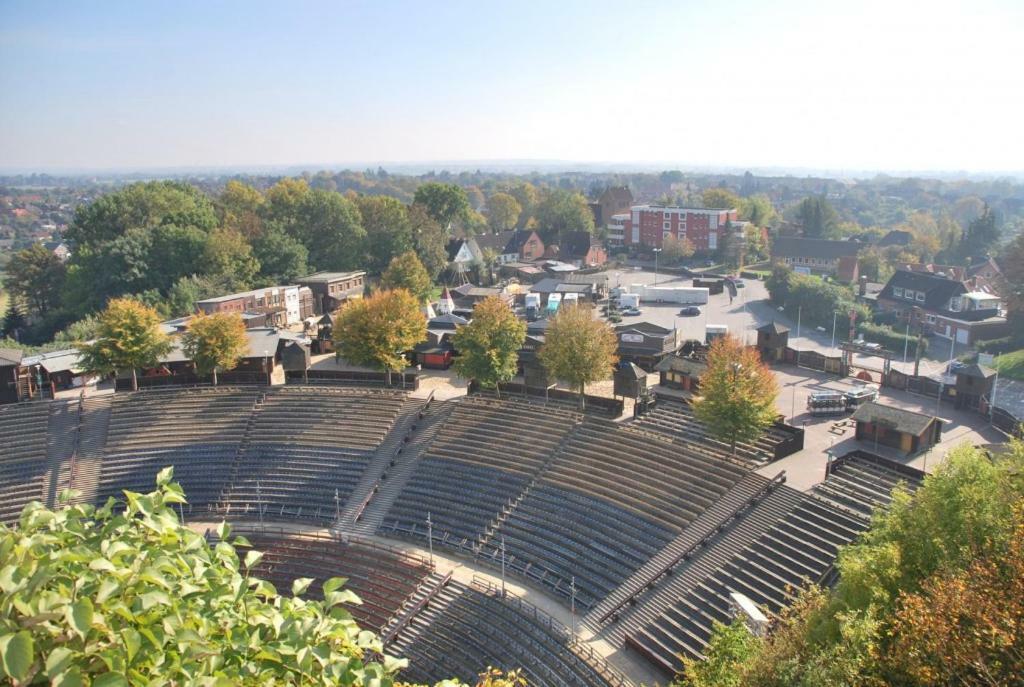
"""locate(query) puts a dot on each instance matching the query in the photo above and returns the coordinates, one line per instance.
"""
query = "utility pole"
(259, 503)
(835, 317)
(656, 251)
(430, 538)
(503, 567)
(906, 342)
(572, 602)
(995, 387)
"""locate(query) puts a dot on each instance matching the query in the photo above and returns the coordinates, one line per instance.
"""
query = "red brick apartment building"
(650, 225)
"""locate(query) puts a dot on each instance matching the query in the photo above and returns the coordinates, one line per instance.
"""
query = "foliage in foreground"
(737, 393)
(930, 595)
(92, 596)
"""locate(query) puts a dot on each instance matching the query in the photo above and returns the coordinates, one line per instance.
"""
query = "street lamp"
(656, 251)
(835, 316)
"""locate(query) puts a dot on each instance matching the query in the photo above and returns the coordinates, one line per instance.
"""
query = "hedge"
(890, 338)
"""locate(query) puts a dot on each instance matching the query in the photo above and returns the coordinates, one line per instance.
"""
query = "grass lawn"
(1011, 364)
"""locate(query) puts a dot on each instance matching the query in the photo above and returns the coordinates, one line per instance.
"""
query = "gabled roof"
(10, 356)
(325, 277)
(937, 290)
(262, 342)
(977, 371)
(632, 370)
(648, 328)
(677, 363)
(773, 327)
(896, 237)
(505, 242)
(797, 246)
(901, 420)
(576, 244)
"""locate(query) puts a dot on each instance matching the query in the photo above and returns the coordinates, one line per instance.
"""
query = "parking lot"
(737, 316)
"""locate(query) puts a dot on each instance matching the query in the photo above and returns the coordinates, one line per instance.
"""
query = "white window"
(955, 304)
(897, 292)
(667, 215)
(920, 296)
(667, 225)
(713, 241)
(909, 293)
(930, 319)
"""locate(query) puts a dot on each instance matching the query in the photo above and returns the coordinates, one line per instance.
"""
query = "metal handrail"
(667, 568)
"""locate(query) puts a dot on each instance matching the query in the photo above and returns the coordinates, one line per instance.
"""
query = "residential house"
(813, 256)
(942, 306)
(581, 249)
(613, 200)
(330, 290)
(517, 245)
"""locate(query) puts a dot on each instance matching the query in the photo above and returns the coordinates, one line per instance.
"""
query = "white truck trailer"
(683, 295)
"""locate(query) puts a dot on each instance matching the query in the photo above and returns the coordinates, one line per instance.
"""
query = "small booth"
(681, 372)
(897, 428)
(629, 381)
(973, 383)
(772, 341)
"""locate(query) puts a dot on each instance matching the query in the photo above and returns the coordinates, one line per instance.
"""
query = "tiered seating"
(798, 548)
(198, 431)
(23, 431)
(678, 421)
(305, 444)
(382, 577)
(485, 455)
(606, 505)
(468, 628)
(863, 482)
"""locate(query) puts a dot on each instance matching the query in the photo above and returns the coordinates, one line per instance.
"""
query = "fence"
(406, 380)
(1005, 421)
(612, 406)
(793, 442)
(223, 378)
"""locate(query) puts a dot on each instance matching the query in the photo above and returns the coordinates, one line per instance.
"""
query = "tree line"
(169, 244)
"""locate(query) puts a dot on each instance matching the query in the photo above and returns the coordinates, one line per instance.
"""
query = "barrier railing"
(670, 565)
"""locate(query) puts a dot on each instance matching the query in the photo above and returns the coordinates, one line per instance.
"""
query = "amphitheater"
(477, 531)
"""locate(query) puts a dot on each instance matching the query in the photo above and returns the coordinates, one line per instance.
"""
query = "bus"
(826, 403)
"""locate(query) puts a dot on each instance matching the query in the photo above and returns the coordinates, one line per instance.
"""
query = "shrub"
(890, 338)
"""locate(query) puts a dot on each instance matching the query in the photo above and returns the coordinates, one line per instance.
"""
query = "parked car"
(690, 311)
(632, 312)
(954, 367)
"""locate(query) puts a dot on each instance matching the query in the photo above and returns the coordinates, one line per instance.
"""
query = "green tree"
(108, 597)
(561, 212)
(758, 210)
(730, 647)
(35, 277)
(128, 338)
(927, 596)
(407, 272)
(226, 254)
(429, 238)
(578, 348)
(816, 216)
(182, 297)
(388, 231)
(141, 206)
(737, 393)
(377, 331)
(1012, 284)
(282, 258)
(446, 203)
(173, 252)
(502, 212)
(14, 321)
(527, 195)
(980, 236)
(240, 208)
(330, 228)
(489, 345)
(721, 199)
(215, 341)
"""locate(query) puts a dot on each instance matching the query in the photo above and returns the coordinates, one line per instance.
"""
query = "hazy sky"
(848, 84)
